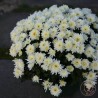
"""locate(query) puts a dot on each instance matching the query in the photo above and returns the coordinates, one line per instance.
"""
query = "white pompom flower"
(77, 63)
(39, 58)
(59, 45)
(55, 67)
(30, 49)
(35, 79)
(47, 84)
(34, 34)
(45, 34)
(44, 46)
(18, 73)
(64, 73)
(55, 90)
(19, 64)
(62, 83)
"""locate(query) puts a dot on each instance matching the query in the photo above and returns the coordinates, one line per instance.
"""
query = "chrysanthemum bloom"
(56, 46)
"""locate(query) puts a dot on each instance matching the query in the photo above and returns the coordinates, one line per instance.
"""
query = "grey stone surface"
(7, 23)
(10, 87)
(9, 5)
(93, 4)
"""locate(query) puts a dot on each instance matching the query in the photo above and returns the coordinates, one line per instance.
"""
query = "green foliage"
(4, 54)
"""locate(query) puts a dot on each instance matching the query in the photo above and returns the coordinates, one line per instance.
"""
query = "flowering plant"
(56, 45)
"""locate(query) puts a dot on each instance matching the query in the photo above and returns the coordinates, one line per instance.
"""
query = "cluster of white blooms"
(54, 43)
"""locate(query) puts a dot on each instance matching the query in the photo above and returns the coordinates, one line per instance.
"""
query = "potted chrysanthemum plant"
(56, 47)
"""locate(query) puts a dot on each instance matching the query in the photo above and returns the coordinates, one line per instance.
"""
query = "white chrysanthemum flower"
(45, 34)
(20, 23)
(85, 63)
(38, 26)
(30, 66)
(81, 49)
(64, 8)
(45, 67)
(95, 55)
(46, 26)
(85, 37)
(28, 24)
(55, 67)
(77, 63)
(79, 23)
(18, 46)
(55, 90)
(63, 73)
(93, 42)
(31, 58)
(22, 36)
(35, 79)
(69, 57)
(93, 35)
(48, 61)
(46, 85)
(34, 34)
(20, 53)
(52, 21)
(72, 15)
(13, 51)
(72, 24)
(55, 40)
(85, 29)
(94, 65)
(64, 21)
(36, 45)
(95, 25)
(17, 72)
(86, 10)
(26, 42)
(61, 35)
(91, 18)
(44, 46)
(19, 64)
(75, 46)
(63, 27)
(42, 19)
(68, 45)
(30, 49)
(18, 29)
(53, 32)
(14, 36)
(39, 57)
(70, 68)
(89, 51)
(68, 33)
(62, 83)
(59, 45)
(91, 76)
(96, 37)
(78, 38)
(52, 52)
